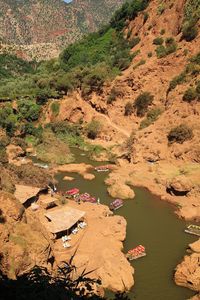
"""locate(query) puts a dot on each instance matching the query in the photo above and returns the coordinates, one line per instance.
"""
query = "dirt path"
(112, 124)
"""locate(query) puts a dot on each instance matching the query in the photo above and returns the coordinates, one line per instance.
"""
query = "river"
(150, 222)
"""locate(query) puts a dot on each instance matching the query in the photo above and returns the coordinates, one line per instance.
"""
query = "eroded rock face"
(188, 272)
(22, 244)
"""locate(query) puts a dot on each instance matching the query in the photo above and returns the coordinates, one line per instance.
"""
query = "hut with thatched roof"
(62, 220)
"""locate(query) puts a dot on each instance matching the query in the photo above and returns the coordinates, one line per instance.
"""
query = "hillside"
(40, 29)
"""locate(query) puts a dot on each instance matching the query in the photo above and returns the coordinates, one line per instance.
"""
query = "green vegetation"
(114, 93)
(128, 109)
(158, 41)
(11, 66)
(53, 150)
(170, 47)
(140, 63)
(28, 110)
(191, 69)
(161, 9)
(93, 128)
(134, 41)
(162, 31)
(151, 117)
(142, 103)
(180, 134)
(129, 11)
(189, 95)
(191, 17)
(55, 108)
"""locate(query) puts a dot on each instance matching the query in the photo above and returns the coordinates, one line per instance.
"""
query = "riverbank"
(165, 180)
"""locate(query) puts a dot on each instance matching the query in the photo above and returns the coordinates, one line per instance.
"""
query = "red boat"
(87, 198)
(72, 193)
(136, 252)
(117, 203)
(102, 168)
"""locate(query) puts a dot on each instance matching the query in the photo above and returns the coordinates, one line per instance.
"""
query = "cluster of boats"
(193, 229)
(75, 194)
(136, 253)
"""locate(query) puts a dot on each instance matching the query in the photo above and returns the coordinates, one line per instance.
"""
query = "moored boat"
(117, 203)
(102, 169)
(136, 253)
(72, 193)
(193, 229)
(87, 198)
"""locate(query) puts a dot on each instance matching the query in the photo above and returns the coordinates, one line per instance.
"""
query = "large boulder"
(121, 190)
(180, 184)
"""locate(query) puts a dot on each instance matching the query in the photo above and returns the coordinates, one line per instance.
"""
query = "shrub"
(189, 31)
(180, 134)
(190, 95)
(28, 110)
(162, 31)
(161, 9)
(134, 41)
(114, 93)
(198, 88)
(3, 155)
(4, 141)
(150, 54)
(142, 102)
(152, 116)
(177, 80)
(158, 41)
(146, 16)
(55, 108)
(93, 128)
(161, 51)
(140, 63)
(128, 109)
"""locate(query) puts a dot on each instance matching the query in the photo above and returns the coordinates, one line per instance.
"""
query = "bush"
(152, 116)
(4, 141)
(189, 31)
(161, 9)
(55, 108)
(158, 41)
(150, 54)
(28, 110)
(189, 95)
(19, 142)
(180, 134)
(128, 109)
(134, 41)
(162, 31)
(177, 80)
(3, 156)
(114, 93)
(142, 102)
(170, 47)
(92, 129)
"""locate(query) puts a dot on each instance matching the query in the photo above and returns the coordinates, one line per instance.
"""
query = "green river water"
(150, 222)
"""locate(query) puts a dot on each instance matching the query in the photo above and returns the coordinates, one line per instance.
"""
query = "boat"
(102, 169)
(136, 253)
(117, 203)
(87, 198)
(72, 193)
(193, 229)
(43, 166)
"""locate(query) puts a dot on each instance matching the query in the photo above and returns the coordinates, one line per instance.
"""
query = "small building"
(62, 220)
(26, 194)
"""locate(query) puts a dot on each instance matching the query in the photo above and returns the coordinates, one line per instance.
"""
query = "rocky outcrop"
(100, 248)
(180, 185)
(22, 244)
(120, 190)
(188, 272)
(82, 169)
